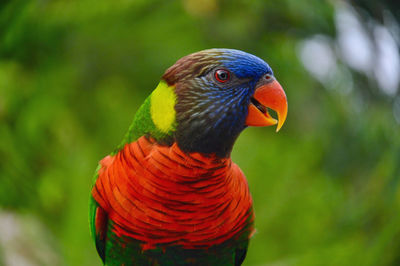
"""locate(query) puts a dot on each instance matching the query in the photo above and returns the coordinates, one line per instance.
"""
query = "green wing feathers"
(98, 221)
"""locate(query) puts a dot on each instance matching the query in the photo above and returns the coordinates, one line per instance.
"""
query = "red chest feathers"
(160, 195)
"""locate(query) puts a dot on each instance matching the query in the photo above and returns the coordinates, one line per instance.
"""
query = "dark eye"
(222, 75)
(268, 77)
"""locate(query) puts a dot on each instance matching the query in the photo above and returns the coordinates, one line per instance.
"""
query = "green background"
(72, 75)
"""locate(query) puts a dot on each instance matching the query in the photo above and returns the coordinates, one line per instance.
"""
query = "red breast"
(161, 195)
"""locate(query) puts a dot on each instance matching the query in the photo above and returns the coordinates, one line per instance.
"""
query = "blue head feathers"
(213, 89)
(242, 64)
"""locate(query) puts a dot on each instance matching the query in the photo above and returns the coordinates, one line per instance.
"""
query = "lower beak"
(270, 95)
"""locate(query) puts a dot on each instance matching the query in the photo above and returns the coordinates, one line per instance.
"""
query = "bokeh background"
(326, 188)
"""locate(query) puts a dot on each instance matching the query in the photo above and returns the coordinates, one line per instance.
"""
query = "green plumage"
(223, 255)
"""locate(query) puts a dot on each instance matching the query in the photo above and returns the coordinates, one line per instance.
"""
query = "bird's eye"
(222, 75)
(268, 77)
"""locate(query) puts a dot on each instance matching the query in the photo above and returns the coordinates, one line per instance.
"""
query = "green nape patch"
(155, 117)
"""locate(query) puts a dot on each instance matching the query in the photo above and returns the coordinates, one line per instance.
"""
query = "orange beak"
(269, 95)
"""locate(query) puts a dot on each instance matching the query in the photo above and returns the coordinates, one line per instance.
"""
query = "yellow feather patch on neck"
(162, 107)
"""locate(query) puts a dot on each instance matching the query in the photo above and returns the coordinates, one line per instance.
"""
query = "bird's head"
(207, 98)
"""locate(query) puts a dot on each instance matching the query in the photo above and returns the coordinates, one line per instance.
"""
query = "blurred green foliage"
(73, 73)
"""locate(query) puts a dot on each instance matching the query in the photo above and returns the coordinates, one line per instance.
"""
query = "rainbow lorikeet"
(170, 194)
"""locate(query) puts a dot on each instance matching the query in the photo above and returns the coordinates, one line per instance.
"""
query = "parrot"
(170, 194)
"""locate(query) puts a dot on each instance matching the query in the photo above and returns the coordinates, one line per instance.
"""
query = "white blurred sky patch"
(355, 46)
(369, 48)
(387, 68)
(318, 57)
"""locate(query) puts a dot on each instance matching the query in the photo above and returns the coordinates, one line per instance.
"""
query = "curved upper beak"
(267, 95)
